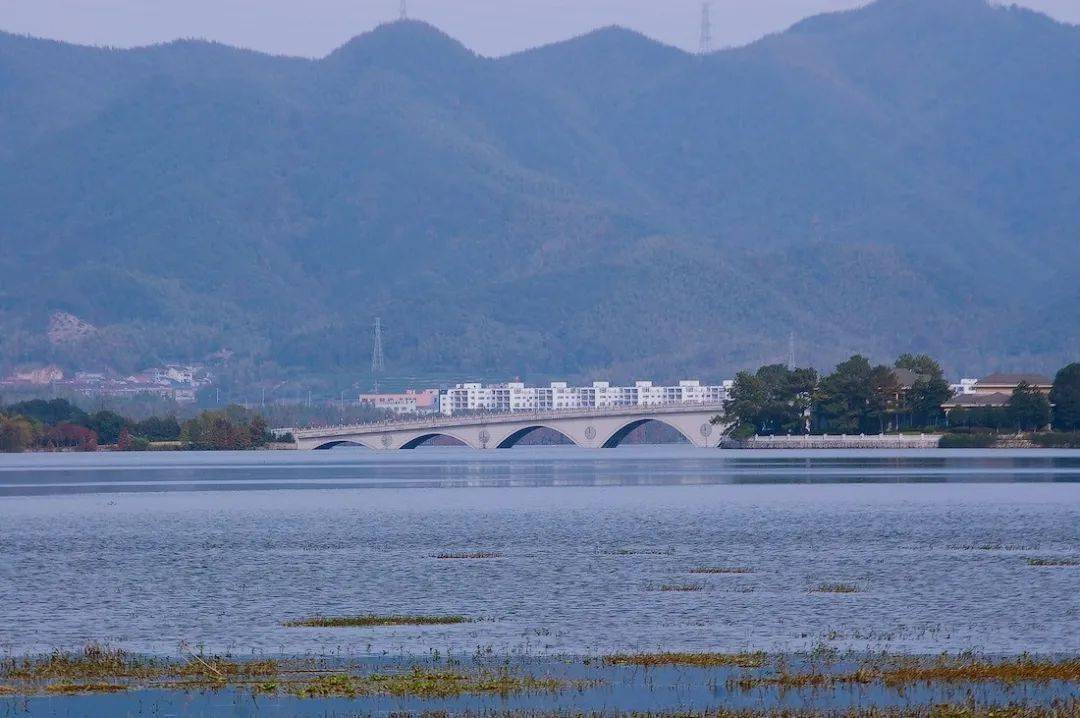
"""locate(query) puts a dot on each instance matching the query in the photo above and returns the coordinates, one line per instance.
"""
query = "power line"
(705, 43)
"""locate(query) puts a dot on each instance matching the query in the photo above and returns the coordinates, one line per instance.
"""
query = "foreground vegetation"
(99, 669)
(59, 425)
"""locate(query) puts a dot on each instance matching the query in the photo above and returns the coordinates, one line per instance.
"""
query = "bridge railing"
(437, 420)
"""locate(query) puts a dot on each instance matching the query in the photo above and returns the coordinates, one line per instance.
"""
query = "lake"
(218, 550)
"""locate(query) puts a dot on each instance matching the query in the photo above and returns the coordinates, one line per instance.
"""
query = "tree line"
(59, 425)
(860, 398)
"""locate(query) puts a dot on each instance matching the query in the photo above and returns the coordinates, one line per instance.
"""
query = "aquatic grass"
(7, 691)
(679, 587)
(902, 671)
(1056, 709)
(425, 683)
(697, 660)
(1053, 562)
(639, 552)
(722, 570)
(835, 588)
(75, 688)
(474, 555)
(337, 685)
(992, 547)
(94, 661)
(371, 620)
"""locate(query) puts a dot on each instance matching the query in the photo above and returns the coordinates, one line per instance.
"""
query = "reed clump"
(721, 569)
(1053, 562)
(697, 660)
(468, 555)
(835, 588)
(94, 661)
(375, 620)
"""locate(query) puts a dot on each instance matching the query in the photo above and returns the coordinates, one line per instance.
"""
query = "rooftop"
(1014, 379)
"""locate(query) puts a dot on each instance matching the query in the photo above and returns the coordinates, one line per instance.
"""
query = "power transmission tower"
(376, 353)
(791, 351)
(705, 44)
(404, 12)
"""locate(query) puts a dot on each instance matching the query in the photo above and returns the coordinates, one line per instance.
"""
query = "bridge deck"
(439, 421)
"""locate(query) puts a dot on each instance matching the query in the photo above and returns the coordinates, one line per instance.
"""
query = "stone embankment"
(841, 441)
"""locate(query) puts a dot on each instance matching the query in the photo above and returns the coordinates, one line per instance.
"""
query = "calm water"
(148, 551)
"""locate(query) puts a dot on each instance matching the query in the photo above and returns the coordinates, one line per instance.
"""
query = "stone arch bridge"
(589, 428)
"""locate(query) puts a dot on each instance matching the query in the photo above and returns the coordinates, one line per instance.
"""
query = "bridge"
(594, 428)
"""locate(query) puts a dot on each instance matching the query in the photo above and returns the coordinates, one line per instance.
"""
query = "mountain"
(901, 177)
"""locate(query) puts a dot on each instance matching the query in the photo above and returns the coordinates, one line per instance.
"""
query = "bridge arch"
(515, 436)
(341, 442)
(622, 432)
(424, 438)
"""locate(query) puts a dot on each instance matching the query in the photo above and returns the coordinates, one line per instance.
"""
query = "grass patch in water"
(1057, 709)
(639, 552)
(1053, 562)
(468, 555)
(900, 672)
(95, 661)
(680, 587)
(697, 660)
(75, 688)
(835, 588)
(374, 620)
(734, 569)
(425, 683)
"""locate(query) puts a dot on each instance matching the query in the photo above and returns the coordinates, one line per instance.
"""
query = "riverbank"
(1046, 440)
(861, 441)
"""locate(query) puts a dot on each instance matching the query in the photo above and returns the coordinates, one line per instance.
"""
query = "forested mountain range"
(902, 177)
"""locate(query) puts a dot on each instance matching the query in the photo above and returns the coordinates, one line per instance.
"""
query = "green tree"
(49, 412)
(158, 429)
(1028, 408)
(922, 402)
(1065, 396)
(885, 391)
(920, 364)
(231, 429)
(773, 400)
(16, 434)
(843, 399)
(108, 425)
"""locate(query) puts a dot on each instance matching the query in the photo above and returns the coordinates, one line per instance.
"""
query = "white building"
(964, 387)
(516, 397)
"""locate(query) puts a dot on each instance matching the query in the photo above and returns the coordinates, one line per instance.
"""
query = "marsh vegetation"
(372, 620)
(834, 588)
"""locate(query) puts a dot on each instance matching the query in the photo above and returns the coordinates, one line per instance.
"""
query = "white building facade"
(516, 397)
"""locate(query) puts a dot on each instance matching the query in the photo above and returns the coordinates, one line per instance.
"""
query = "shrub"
(967, 441)
(1057, 440)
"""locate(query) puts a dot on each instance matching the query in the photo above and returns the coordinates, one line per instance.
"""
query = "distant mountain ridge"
(901, 177)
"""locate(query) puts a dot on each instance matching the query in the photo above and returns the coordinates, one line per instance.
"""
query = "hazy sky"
(491, 27)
